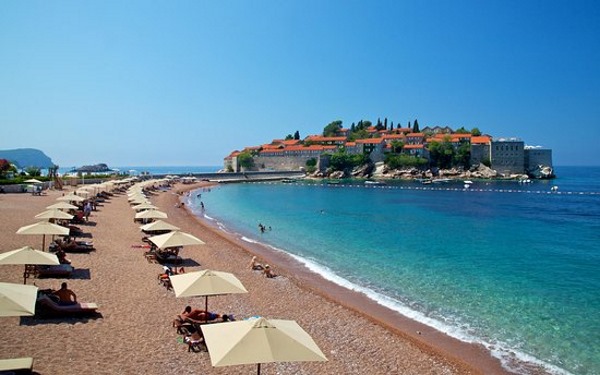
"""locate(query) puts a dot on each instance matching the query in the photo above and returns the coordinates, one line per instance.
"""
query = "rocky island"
(380, 151)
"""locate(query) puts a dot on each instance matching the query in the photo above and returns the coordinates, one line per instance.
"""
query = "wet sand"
(134, 334)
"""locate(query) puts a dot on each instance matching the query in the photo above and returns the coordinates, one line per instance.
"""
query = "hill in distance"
(27, 157)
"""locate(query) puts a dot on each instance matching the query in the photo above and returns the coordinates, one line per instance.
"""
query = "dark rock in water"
(94, 168)
(27, 157)
(542, 172)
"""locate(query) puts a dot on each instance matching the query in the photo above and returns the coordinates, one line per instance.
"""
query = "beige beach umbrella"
(44, 228)
(144, 206)
(258, 340)
(175, 239)
(54, 214)
(206, 283)
(70, 198)
(83, 193)
(28, 255)
(17, 300)
(151, 214)
(33, 181)
(158, 225)
(62, 206)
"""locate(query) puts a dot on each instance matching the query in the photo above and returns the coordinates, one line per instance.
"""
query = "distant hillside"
(27, 157)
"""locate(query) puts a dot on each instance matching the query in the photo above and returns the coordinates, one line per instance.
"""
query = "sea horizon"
(460, 285)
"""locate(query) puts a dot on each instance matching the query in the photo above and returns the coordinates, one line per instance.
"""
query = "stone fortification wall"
(479, 153)
(508, 157)
(281, 163)
(537, 156)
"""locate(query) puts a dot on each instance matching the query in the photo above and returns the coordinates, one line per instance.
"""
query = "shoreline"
(469, 357)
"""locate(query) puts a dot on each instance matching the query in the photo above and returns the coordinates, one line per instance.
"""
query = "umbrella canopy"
(62, 206)
(259, 340)
(28, 255)
(151, 214)
(43, 228)
(158, 225)
(144, 206)
(17, 300)
(70, 198)
(54, 214)
(175, 239)
(206, 283)
(33, 181)
(83, 192)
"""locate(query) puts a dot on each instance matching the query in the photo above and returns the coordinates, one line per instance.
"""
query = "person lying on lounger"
(199, 316)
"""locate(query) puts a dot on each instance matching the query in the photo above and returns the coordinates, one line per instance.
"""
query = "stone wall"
(537, 156)
(508, 157)
(479, 153)
(281, 163)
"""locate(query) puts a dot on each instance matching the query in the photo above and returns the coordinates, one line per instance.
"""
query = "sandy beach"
(134, 335)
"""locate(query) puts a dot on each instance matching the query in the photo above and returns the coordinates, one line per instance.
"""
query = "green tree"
(33, 171)
(341, 161)
(245, 159)
(415, 128)
(297, 135)
(404, 161)
(332, 129)
(311, 165)
(289, 137)
(397, 146)
(475, 132)
(441, 154)
(462, 130)
(462, 156)
(385, 123)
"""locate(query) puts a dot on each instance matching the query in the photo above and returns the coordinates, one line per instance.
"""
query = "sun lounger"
(45, 306)
(59, 270)
(16, 365)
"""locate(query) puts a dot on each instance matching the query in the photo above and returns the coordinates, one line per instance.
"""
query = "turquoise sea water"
(511, 266)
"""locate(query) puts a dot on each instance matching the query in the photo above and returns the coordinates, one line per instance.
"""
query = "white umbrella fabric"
(175, 239)
(54, 213)
(43, 228)
(258, 340)
(28, 255)
(151, 214)
(62, 206)
(206, 283)
(17, 300)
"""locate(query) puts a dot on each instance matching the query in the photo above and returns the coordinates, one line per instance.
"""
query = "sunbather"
(65, 295)
(254, 265)
(269, 272)
(199, 316)
(62, 257)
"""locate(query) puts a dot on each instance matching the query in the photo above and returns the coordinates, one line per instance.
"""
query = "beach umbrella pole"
(206, 308)
(258, 369)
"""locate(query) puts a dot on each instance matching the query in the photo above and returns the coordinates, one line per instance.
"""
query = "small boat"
(371, 182)
(333, 182)
(441, 180)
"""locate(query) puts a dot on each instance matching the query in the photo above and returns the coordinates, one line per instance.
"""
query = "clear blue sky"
(186, 82)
